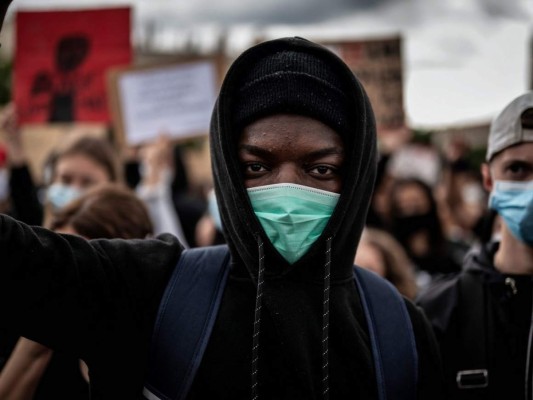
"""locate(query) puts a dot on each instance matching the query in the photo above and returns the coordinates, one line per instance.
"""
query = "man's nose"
(289, 173)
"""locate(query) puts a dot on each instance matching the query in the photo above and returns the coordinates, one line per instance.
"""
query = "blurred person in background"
(379, 205)
(190, 201)
(379, 252)
(209, 229)
(154, 188)
(465, 199)
(79, 163)
(34, 371)
(483, 316)
(416, 224)
(82, 162)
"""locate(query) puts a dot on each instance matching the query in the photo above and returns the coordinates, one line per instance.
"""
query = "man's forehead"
(519, 152)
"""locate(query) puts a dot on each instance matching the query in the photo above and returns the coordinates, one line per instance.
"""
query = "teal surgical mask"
(293, 216)
(60, 195)
(514, 203)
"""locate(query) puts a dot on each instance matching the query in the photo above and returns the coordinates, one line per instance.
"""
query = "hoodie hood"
(243, 230)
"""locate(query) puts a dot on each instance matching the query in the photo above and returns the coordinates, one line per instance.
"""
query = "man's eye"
(255, 167)
(65, 180)
(518, 168)
(322, 170)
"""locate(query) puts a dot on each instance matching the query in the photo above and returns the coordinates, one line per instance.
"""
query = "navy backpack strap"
(391, 335)
(186, 316)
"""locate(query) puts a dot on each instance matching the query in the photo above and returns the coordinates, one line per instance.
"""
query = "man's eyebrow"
(262, 152)
(255, 150)
(328, 151)
(516, 161)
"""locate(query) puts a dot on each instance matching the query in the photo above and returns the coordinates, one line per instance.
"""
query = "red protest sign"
(61, 61)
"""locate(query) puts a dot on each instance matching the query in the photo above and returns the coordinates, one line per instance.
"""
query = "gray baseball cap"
(506, 129)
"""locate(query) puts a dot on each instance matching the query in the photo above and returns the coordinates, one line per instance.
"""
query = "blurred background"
(463, 59)
(437, 72)
(105, 109)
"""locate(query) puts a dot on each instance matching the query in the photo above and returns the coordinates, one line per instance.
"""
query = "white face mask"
(4, 184)
(60, 195)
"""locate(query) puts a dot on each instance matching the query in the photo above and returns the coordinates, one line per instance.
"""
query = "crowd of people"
(90, 251)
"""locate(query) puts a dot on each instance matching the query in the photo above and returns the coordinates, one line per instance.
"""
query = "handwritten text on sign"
(176, 100)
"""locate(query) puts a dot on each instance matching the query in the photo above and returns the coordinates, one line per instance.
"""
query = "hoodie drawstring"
(325, 323)
(257, 319)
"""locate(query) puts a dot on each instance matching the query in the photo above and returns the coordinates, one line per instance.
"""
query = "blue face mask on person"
(514, 203)
(293, 216)
(212, 208)
(60, 195)
(4, 184)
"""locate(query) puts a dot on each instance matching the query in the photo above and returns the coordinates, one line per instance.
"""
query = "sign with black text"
(176, 100)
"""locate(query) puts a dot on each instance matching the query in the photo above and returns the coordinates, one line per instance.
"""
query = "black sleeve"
(132, 174)
(8, 340)
(69, 293)
(430, 375)
(25, 201)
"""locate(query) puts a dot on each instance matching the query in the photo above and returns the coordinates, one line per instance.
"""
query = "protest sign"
(61, 61)
(378, 64)
(176, 100)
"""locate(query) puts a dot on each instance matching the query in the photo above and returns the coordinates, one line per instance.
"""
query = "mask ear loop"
(325, 322)
(257, 319)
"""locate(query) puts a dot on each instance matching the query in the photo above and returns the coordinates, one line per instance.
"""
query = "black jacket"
(24, 196)
(99, 299)
(482, 320)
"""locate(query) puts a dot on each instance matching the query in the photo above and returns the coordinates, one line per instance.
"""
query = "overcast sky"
(225, 11)
(464, 59)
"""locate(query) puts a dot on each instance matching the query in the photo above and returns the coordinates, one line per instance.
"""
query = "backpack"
(192, 298)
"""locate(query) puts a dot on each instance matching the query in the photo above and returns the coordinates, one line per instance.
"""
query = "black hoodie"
(500, 317)
(291, 337)
(99, 299)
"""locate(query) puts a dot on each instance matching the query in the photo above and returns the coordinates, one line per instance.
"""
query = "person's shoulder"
(440, 289)
(445, 288)
(440, 299)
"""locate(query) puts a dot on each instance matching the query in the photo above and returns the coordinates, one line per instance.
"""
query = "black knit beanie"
(294, 82)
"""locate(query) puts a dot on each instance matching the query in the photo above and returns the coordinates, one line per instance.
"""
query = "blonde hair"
(398, 268)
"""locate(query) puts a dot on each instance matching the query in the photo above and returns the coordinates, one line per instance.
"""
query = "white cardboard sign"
(175, 100)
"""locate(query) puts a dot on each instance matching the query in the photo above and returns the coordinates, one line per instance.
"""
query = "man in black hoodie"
(292, 127)
(482, 317)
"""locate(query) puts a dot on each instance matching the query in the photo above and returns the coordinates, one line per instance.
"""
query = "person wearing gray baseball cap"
(483, 316)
